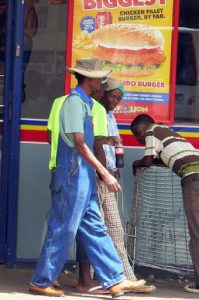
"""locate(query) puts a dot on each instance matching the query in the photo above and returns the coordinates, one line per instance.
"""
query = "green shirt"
(53, 126)
(99, 123)
(100, 126)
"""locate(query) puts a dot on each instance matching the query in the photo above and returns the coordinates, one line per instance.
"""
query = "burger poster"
(133, 38)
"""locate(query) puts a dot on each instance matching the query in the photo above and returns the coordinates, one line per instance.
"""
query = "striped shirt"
(174, 150)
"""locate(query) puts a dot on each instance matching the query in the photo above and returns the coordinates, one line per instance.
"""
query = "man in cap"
(113, 93)
(74, 198)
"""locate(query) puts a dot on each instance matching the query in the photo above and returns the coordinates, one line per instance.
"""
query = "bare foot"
(56, 284)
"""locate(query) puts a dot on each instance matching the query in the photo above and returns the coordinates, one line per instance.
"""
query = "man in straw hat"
(74, 199)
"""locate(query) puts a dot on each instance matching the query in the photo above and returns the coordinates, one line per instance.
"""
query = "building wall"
(45, 71)
(34, 197)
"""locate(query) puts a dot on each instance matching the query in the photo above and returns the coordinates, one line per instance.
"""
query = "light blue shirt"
(72, 115)
(110, 150)
(85, 97)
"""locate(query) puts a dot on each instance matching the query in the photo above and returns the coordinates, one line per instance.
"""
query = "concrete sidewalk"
(14, 282)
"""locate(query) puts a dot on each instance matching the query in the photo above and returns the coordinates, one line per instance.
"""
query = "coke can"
(103, 18)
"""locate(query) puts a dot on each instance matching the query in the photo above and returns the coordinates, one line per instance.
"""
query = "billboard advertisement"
(134, 40)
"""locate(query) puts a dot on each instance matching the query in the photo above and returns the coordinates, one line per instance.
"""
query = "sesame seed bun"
(128, 36)
(129, 49)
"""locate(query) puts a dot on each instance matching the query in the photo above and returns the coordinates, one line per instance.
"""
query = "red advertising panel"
(135, 39)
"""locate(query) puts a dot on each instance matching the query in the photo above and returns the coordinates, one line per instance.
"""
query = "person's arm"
(50, 123)
(109, 140)
(83, 150)
(100, 155)
(146, 161)
(49, 136)
(158, 161)
(153, 147)
(99, 151)
(72, 120)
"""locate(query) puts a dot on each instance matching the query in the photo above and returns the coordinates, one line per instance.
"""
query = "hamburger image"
(132, 50)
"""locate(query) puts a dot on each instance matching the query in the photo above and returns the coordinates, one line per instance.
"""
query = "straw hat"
(89, 67)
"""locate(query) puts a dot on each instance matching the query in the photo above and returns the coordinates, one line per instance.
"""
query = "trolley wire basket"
(157, 232)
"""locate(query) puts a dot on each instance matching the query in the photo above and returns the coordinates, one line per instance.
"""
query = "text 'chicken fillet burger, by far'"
(129, 49)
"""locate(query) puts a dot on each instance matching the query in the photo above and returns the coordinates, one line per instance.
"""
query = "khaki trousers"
(110, 213)
(190, 191)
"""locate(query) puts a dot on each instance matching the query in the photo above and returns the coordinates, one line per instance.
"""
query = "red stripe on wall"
(128, 140)
(33, 135)
(193, 141)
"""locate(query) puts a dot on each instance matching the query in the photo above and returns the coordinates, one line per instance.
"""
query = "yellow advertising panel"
(133, 38)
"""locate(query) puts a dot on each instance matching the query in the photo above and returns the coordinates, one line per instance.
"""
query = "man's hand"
(112, 140)
(116, 174)
(135, 165)
(86, 153)
(146, 162)
(111, 182)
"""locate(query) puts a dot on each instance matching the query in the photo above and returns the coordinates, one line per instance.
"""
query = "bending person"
(179, 155)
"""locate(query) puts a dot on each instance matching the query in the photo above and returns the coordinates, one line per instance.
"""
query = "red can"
(103, 18)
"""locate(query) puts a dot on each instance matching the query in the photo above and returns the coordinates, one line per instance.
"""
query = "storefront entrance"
(5, 92)
(11, 21)
(32, 59)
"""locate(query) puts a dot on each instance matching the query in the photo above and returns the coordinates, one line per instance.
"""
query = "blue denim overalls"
(75, 208)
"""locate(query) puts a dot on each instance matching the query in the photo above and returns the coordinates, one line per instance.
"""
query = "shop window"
(187, 80)
(44, 56)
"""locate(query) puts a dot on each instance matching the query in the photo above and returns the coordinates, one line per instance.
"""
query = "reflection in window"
(187, 81)
(44, 56)
(3, 12)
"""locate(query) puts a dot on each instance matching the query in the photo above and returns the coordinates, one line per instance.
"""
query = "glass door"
(32, 55)
(11, 42)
